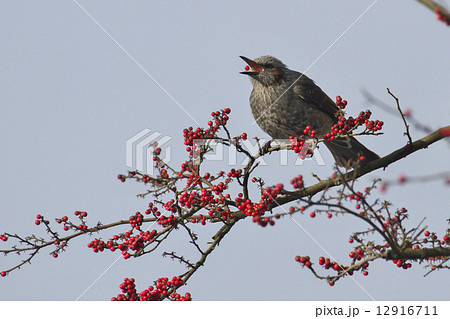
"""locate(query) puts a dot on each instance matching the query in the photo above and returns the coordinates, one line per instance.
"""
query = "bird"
(284, 102)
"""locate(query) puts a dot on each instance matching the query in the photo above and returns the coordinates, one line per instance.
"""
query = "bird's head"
(267, 70)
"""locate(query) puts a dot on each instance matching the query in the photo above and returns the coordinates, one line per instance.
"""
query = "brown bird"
(284, 102)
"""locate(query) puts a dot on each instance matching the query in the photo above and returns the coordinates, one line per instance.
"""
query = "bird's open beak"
(256, 68)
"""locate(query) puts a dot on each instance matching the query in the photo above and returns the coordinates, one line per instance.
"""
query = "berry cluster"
(158, 291)
(446, 238)
(81, 215)
(170, 206)
(305, 260)
(201, 219)
(247, 207)
(65, 220)
(152, 210)
(163, 220)
(143, 177)
(167, 221)
(340, 102)
(220, 118)
(442, 17)
(257, 210)
(390, 224)
(345, 126)
(220, 213)
(358, 197)
(326, 263)
(402, 263)
(40, 219)
(297, 182)
(136, 220)
(199, 191)
(190, 199)
(124, 242)
(300, 146)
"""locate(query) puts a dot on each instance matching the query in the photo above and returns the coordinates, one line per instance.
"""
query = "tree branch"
(364, 169)
(440, 10)
(417, 253)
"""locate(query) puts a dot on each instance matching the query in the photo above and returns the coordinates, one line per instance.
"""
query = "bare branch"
(402, 115)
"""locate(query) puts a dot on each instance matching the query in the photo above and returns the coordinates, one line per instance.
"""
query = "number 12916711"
(403, 311)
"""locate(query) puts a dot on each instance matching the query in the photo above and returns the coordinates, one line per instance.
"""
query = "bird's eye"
(269, 66)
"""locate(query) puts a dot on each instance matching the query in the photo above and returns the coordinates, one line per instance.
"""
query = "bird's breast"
(270, 107)
(281, 113)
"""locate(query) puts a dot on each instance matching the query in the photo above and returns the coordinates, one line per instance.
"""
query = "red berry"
(3, 273)
(312, 214)
(402, 178)
(445, 132)
(247, 68)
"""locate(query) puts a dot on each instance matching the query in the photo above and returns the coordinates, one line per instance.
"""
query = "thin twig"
(402, 115)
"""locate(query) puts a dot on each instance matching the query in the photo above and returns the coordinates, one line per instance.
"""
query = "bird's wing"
(308, 91)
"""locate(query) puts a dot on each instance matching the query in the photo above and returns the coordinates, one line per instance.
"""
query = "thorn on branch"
(181, 259)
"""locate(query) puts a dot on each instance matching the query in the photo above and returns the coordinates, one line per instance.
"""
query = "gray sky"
(70, 98)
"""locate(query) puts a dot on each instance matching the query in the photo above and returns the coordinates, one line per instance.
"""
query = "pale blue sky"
(70, 98)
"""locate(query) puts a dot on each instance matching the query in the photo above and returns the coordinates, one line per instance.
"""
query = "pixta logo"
(140, 148)
(220, 152)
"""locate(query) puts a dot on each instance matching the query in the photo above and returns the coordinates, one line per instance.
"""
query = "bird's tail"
(347, 151)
